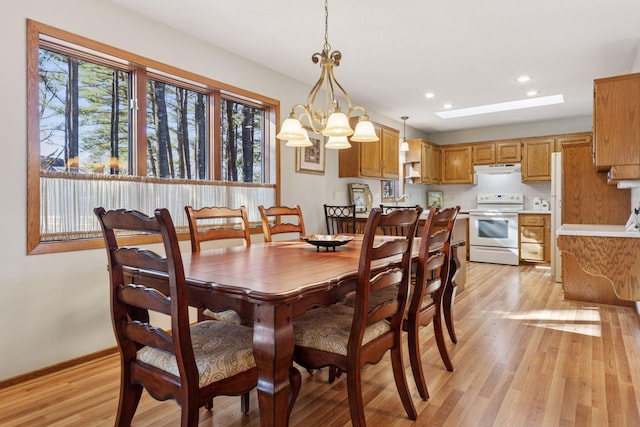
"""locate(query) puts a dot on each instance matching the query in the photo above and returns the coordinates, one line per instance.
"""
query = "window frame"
(42, 35)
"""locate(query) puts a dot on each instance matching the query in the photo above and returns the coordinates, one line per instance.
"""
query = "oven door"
(493, 229)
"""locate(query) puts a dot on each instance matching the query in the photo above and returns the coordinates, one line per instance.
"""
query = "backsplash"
(465, 194)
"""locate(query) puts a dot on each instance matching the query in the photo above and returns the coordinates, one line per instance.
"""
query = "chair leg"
(354, 393)
(244, 403)
(189, 416)
(334, 373)
(415, 360)
(401, 381)
(129, 398)
(449, 295)
(439, 334)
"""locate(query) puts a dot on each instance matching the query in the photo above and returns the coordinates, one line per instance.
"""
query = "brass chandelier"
(331, 121)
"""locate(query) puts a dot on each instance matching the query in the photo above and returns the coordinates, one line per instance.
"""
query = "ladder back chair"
(217, 223)
(432, 272)
(190, 364)
(278, 226)
(340, 219)
(395, 231)
(348, 337)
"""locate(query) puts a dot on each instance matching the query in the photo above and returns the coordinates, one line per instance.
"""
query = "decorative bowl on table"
(327, 240)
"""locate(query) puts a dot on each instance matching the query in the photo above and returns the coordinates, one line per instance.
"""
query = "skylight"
(502, 106)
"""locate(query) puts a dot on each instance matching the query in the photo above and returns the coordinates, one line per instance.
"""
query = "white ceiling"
(468, 52)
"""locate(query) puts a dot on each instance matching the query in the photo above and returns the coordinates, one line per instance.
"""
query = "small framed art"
(311, 159)
(434, 198)
(389, 190)
(361, 197)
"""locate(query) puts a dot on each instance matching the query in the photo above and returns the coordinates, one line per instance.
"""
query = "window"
(107, 129)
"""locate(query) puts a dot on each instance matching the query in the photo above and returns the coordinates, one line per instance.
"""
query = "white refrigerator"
(556, 214)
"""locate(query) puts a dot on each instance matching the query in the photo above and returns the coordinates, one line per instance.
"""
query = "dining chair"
(431, 279)
(446, 220)
(348, 338)
(277, 226)
(395, 231)
(340, 218)
(189, 364)
(217, 223)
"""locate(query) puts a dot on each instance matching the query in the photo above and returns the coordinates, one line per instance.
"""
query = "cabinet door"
(430, 163)
(484, 154)
(616, 121)
(536, 159)
(370, 157)
(455, 164)
(509, 151)
(390, 140)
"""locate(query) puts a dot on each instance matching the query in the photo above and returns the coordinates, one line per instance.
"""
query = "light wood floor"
(525, 357)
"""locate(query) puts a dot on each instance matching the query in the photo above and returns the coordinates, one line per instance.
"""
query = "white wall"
(55, 307)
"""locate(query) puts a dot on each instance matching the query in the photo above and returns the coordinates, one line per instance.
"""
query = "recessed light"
(429, 95)
(502, 106)
(447, 106)
(523, 79)
(532, 93)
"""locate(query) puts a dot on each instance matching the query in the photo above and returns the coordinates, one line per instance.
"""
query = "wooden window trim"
(36, 32)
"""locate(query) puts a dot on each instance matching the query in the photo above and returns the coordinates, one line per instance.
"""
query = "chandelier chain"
(327, 46)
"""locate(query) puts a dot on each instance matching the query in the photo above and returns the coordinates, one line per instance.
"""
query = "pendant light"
(404, 145)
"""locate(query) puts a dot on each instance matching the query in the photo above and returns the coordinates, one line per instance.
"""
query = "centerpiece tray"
(327, 240)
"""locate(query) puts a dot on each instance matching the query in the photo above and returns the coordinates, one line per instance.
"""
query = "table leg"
(278, 380)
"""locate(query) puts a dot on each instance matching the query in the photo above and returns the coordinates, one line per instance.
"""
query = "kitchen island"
(600, 263)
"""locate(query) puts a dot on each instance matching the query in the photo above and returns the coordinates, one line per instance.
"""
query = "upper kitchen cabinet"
(372, 159)
(456, 165)
(430, 163)
(616, 125)
(509, 151)
(422, 162)
(484, 153)
(536, 159)
(489, 153)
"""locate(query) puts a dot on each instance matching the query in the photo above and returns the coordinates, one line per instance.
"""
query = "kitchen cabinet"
(456, 165)
(378, 159)
(587, 198)
(536, 159)
(422, 162)
(484, 153)
(616, 125)
(430, 163)
(509, 151)
(535, 237)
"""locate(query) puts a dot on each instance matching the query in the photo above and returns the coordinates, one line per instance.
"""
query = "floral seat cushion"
(221, 350)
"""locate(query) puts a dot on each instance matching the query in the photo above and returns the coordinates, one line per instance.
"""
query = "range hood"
(497, 169)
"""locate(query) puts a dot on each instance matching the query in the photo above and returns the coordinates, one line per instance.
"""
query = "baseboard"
(58, 367)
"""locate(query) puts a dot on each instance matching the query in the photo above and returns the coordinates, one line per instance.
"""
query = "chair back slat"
(216, 223)
(273, 222)
(145, 334)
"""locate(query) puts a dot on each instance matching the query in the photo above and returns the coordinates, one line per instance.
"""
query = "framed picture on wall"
(434, 198)
(361, 197)
(311, 159)
(389, 190)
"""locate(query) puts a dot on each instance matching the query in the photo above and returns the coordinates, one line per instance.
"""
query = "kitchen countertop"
(461, 215)
(601, 230)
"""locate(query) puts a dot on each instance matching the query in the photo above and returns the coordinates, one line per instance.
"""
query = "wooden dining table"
(269, 285)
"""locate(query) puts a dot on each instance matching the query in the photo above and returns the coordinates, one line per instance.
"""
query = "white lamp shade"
(338, 142)
(365, 132)
(291, 130)
(337, 125)
(306, 142)
(404, 146)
